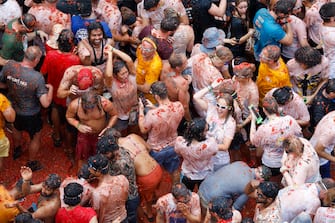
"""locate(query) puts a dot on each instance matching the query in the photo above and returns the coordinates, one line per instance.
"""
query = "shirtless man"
(176, 83)
(161, 124)
(88, 115)
(91, 50)
(110, 196)
(68, 86)
(148, 171)
(48, 201)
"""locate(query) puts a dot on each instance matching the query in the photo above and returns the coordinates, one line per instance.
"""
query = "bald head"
(32, 53)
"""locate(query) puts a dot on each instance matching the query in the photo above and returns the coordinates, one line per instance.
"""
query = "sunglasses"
(147, 50)
(223, 106)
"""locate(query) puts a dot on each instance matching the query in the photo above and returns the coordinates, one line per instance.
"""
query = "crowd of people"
(229, 99)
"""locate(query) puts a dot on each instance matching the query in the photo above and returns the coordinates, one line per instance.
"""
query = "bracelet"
(210, 88)
(78, 125)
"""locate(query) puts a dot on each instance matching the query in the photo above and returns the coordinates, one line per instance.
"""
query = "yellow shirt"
(269, 78)
(148, 71)
(4, 104)
(6, 214)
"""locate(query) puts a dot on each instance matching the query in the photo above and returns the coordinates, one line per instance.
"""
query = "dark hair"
(270, 105)
(269, 189)
(308, 56)
(159, 88)
(180, 190)
(330, 86)
(128, 16)
(89, 99)
(283, 6)
(28, 20)
(95, 25)
(84, 172)
(169, 24)
(148, 4)
(118, 65)
(65, 40)
(72, 193)
(53, 181)
(107, 143)
(98, 163)
(176, 60)
(222, 206)
(282, 95)
(327, 11)
(195, 130)
(228, 98)
(247, 220)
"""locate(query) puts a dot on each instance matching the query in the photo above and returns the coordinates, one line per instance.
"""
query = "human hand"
(183, 208)
(26, 173)
(84, 128)
(49, 86)
(74, 89)
(217, 82)
(44, 37)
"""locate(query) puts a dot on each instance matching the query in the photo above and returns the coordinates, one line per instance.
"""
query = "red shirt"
(55, 64)
(77, 215)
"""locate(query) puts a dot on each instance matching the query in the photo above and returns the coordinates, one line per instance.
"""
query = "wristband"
(210, 88)
(78, 125)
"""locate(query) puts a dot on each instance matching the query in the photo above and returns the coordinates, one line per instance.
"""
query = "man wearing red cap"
(88, 76)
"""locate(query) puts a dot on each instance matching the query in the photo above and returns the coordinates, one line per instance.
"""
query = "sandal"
(57, 142)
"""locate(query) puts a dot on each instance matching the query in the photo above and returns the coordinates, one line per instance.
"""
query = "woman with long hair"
(220, 119)
(197, 151)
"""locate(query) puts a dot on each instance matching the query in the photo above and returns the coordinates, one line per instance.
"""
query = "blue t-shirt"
(268, 31)
(79, 27)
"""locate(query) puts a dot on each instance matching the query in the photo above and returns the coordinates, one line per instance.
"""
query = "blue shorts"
(167, 158)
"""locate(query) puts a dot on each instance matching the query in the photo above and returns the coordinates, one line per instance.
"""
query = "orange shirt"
(6, 214)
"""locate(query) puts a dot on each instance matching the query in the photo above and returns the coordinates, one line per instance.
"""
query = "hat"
(212, 37)
(85, 78)
(56, 30)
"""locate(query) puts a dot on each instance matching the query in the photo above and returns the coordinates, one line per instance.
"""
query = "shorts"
(4, 147)
(167, 158)
(86, 145)
(61, 112)
(32, 124)
(148, 184)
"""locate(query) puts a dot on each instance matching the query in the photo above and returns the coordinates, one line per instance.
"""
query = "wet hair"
(244, 70)
(293, 144)
(169, 24)
(180, 190)
(273, 52)
(148, 4)
(170, 12)
(270, 105)
(25, 217)
(98, 163)
(53, 181)
(308, 56)
(72, 193)
(65, 40)
(107, 143)
(90, 99)
(176, 60)
(282, 95)
(330, 86)
(159, 88)
(32, 53)
(118, 65)
(269, 189)
(128, 16)
(266, 172)
(327, 11)
(229, 101)
(95, 25)
(223, 53)
(330, 198)
(28, 21)
(195, 130)
(283, 6)
(222, 206)
(84, 172)
(328, 182)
